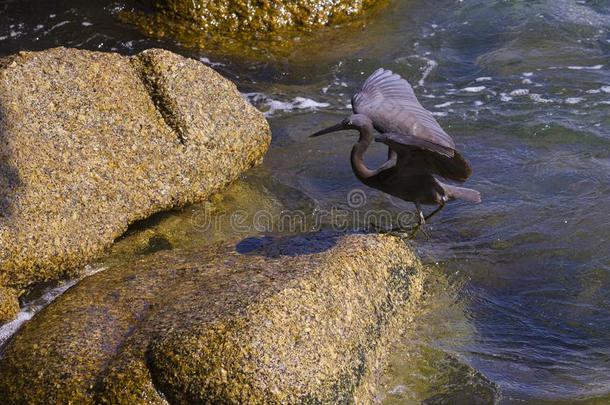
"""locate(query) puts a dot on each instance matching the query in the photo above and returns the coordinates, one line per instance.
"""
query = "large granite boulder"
(303, 319)
(91, 142)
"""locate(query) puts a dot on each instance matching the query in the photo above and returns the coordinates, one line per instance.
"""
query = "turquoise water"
(524, 89)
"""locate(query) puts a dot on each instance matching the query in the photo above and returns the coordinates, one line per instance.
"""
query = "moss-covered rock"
(252, 29)
(235, 16)
(303, 319)
(91, 142)
(9, 305)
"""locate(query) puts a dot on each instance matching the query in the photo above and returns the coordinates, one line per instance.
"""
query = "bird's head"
(354, 121)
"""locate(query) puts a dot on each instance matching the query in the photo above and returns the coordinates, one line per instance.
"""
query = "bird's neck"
(357, 157)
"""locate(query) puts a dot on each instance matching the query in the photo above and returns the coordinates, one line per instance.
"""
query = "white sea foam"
(483, 79)
(430, 65)
(59, 24)
(271, 106)
(573, 100)
(443, 105)
(605, 89)
(31, 308)
(505, 97)
(595, 67)
(474, 89)
(519, 92)
(209, 62)
(539, 99)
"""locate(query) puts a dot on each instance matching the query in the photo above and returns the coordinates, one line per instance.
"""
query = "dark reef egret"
(386, 110)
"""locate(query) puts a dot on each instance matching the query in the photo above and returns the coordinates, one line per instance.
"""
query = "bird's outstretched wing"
(397, 141)
(389, 101)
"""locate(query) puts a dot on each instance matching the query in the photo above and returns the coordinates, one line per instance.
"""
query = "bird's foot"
(404, 233)
(399, 232)
(417, 228)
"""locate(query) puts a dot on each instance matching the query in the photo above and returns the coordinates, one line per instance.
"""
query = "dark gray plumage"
(418, 147)
(407, 127)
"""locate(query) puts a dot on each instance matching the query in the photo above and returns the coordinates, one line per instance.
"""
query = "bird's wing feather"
(389, 101)
(396, 141)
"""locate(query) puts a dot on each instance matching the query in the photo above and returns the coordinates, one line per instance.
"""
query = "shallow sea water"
(521, 306)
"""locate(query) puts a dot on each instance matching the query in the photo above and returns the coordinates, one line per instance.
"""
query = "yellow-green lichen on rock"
(91, 142)
(262, 16)
(251, 28)
(302, 319)
(9, 305)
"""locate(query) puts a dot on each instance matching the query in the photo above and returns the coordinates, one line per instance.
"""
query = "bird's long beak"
(339, 127)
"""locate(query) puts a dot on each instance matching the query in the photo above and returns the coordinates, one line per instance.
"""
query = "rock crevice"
(91, 142)
(147, 71)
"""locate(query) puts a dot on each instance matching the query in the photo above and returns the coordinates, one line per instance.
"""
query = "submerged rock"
(91, 142)
(295, 319)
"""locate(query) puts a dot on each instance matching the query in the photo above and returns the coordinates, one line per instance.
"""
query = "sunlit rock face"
(91, 142)
(262, 16)
(255, 29)
(290, 319)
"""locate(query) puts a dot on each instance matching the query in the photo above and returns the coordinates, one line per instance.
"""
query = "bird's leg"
(422, 219)
(404, 234)
(420, 222)
(430, 215)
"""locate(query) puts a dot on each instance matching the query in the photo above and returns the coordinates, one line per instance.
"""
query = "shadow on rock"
(292, 245)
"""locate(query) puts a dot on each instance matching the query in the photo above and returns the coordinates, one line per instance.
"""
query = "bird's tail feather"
(462, 193)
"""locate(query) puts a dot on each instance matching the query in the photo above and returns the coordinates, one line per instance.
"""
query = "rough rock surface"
(90, 142)
(230, 16)
(256, 30)
(9, 305)
(304, 319)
